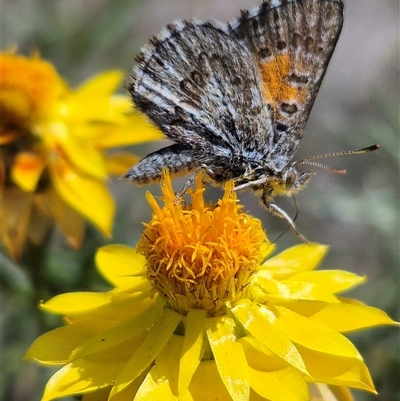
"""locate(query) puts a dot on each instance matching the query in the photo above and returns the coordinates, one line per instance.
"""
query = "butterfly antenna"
(343, 153)
(332, 170)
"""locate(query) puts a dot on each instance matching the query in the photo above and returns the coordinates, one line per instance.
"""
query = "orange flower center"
(201, 256)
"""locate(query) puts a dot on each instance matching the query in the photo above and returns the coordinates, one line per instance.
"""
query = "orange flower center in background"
(201, 256)
(29, 89)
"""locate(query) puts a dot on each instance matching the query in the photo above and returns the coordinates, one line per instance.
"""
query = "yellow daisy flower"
(53, 140)
(201, 314)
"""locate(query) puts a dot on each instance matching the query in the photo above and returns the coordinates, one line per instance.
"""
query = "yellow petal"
(82, 154)
(118, 333)
(343, 317)
(289, 290)
(77, 302)
(260, 322)
(337, 370)
(101, 108)
(130, 391)
(299, 258)
(144, 356)
(118, 163)
(162, 381)
(88, 196)
(206, 384)
(27, 169)
(332, 280)
(283, 381)
(120, 264)
(99, 395)
(122, 305)
(111, 306)
(192, 347)
(229, 357)
(134, 129)
(279, 385)
(85, 375)
(104, 116)
(137, 288)
(69, 381)
(100, 85)
(313, 335)
(63, 143)
(266, 249)
(323, 392)
(69, 221)
(260, 357)
(56, 346)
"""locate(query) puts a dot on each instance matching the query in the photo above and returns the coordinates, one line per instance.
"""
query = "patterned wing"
(201, 87)
(292, 42)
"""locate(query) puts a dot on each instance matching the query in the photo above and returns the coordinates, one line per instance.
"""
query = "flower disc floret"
(201, 256)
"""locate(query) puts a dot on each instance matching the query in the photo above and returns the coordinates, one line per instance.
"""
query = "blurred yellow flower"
(199, 315)
(53, 164)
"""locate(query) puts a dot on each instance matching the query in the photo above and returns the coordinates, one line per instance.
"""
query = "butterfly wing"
(201, 88)
(291, 42)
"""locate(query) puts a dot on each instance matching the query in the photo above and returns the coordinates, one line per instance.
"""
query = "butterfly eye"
(290, 178)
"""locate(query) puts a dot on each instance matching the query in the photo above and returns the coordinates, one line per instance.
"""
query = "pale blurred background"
(356, 214)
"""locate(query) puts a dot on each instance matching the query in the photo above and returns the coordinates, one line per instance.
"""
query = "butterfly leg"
(190, 181)
(277, 211)
(260, 181)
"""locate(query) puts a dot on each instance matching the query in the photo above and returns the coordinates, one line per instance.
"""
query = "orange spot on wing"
(274, 80)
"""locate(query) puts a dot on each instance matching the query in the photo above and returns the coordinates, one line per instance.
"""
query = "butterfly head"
(272, 183)
(283, 183)
(289, 181)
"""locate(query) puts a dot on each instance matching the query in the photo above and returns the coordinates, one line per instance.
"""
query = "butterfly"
(235, 98)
